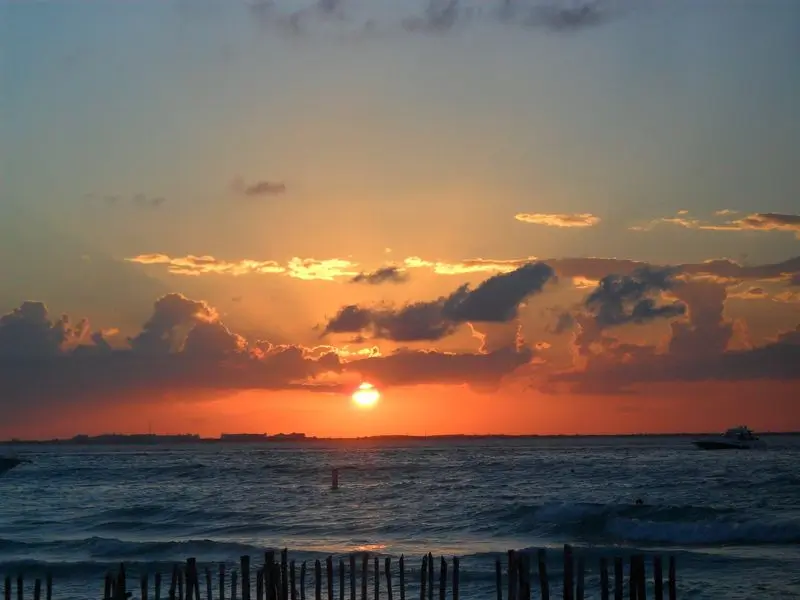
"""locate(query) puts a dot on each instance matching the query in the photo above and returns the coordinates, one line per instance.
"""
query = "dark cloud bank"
(184, 347)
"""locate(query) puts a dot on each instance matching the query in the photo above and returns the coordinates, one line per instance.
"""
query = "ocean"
(731, 519)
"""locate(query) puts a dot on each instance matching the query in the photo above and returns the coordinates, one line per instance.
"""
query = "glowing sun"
(366, 396)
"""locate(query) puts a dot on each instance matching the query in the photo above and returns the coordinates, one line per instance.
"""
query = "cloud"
(203, 265)
(752, 222)
(258, 189)
(139, 200)
(621, 299)
(495, 300)
(327, 270)
(559, 220)
(388, 274)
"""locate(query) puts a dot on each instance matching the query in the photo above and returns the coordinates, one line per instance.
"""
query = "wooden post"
(672, 583)
(7, 588)
(430, 576)
(245, 568)
(303, 580)
(498, 579)
(569, 587)
(341, 579)
(48, 594)
(604, 579)
(260, 583)
(512, 575)
(107, 588)
(376, 577)
(209, 593)
(156, 586)
(423, 575)
(387, 570)
(191, 579)
(269, 572)
(658, 578)
(20, 588)
(173, 586)
(180, 583)
(234, 580)
(365, 574)
(524, 574)
(402, 567)
(619, 582)
(456, 571)
(329, 576)
(284, 574)
(293, 579)
(352, 577)
(37, 589)
(222, 581)
(143, 586)
(317, 580)
(442, 579)
(579, 592)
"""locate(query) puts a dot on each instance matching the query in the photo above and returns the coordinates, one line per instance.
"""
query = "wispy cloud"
(388, 274)
(752, 222)
(559, 219)
(203, 265)
(257, 189)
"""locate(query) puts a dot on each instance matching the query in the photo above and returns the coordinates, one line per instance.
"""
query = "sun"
(366, 396)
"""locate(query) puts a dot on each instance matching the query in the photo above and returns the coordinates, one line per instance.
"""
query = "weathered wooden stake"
(619, 581)
(234, 581)
(352, 577)
(387, 570)
(672, 584)
(423, 575)
(604, 579)
(442, 578)
(402, 567)
(20, 588)
(222, 581)
(513, 577)
(317, 580)
(456, 572)
(376, 577)
(180, 584)
(430, 576)
(365, 574)
(329, 576)
(37, 589)
(245, 568)
(303, 580)
(7, 588)
(633, 588)
(658, 578)
(49, 587)
(293, 579)
(544, 581)
(498, 579)
(107, 585)
(284, 574)
(143, 586)
(260, 576)
(579, 592)
(341, 579)
(569, 579)
(209, 593)
(156, 586)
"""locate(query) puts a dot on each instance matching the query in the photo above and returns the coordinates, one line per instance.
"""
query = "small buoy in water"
(334, 479)
(639, 501)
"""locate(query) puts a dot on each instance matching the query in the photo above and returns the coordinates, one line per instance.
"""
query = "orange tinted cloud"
(752, 222)
(559, 219)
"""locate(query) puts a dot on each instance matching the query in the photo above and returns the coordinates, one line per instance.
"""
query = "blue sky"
(132, 131)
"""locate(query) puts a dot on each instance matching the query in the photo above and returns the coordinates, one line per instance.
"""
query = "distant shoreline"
(257, 439)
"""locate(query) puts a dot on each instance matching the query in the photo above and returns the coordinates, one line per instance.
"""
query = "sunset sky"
(507, 220)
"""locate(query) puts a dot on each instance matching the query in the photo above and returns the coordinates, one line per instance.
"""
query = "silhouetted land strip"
(276, 579)
(250, 438)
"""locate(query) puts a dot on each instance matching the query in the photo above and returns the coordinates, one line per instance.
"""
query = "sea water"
(731, 519)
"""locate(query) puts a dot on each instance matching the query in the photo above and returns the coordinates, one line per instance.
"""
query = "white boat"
(735, 438)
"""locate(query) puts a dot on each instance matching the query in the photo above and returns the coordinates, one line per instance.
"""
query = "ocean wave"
(678, 525)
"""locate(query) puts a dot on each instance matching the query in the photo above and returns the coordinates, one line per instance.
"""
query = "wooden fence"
(278, 580)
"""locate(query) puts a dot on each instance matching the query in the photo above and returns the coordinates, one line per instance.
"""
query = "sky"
(532, 217)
